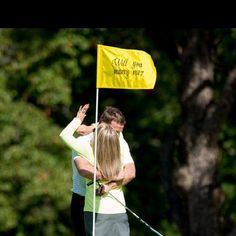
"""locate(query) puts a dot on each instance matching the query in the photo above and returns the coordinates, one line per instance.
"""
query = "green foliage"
(170, 229)
(227, 169)
(35, 186)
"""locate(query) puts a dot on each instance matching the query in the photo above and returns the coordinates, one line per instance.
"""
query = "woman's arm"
(81, 147)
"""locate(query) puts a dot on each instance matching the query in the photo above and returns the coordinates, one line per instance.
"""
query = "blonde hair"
(108, 151)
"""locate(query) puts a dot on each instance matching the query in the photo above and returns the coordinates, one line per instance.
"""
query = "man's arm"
(85, 129)
(130, 173)
(127, 174)
(85, 168)
(129, 166)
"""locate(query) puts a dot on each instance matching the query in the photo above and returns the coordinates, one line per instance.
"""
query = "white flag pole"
(95, 162)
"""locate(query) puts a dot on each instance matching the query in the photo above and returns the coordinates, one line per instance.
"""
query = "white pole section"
(95, 162)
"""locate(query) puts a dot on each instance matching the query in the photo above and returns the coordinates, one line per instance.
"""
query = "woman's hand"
(82, 112)
(102, 189)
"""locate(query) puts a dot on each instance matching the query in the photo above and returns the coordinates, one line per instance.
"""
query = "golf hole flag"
(124, 68)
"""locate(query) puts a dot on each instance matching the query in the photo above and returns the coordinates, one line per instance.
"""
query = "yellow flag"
(124, 68)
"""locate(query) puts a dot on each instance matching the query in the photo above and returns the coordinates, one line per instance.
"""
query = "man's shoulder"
(122, 139)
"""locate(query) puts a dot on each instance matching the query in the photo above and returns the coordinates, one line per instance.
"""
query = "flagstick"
(95, 163)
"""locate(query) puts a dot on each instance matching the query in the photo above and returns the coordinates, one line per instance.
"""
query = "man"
(82, 168)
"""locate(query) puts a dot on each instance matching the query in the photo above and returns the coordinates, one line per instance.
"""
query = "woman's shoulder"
(84, 147)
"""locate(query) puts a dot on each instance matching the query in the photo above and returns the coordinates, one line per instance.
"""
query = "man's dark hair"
(112, 114)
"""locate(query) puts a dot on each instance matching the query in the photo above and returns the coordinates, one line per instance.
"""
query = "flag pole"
(95, 162)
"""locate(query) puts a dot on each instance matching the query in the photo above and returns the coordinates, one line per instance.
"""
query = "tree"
(204, 111)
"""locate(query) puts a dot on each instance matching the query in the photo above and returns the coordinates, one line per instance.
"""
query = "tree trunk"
(203, 118)
(195, 178)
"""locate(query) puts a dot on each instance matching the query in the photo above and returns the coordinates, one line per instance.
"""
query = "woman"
(111, 217)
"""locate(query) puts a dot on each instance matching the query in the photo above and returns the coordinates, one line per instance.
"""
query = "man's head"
(114, 117)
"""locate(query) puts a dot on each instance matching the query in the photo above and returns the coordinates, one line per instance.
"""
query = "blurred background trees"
(181, 134)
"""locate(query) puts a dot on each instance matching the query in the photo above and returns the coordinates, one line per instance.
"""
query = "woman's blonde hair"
(108, 151)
